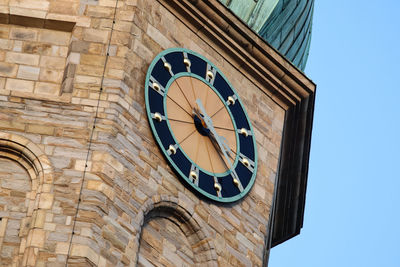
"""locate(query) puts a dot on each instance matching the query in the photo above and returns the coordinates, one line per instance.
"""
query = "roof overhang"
(277, 78)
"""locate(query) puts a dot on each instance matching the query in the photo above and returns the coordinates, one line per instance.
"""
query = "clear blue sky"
(352, 215)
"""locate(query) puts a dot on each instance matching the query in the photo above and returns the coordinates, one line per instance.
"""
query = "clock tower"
(152, 132)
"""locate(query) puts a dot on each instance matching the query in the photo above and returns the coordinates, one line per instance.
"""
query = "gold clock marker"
(244, 132)
(172, 149)
(217, 187)
(157, 116)
(186, 61)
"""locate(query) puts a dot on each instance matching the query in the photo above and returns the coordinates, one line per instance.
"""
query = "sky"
(352, 213)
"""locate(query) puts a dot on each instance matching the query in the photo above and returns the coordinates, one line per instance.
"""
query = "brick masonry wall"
(126, 178)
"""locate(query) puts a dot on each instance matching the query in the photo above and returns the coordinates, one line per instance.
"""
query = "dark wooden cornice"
(279, 79)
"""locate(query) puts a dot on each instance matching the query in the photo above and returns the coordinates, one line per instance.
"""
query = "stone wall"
(33, 60)
(101, 192)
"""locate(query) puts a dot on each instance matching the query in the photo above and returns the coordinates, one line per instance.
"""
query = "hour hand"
(217, 139)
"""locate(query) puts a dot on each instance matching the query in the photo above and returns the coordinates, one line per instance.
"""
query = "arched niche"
(172, 235)
(25, 187)
(15, 189)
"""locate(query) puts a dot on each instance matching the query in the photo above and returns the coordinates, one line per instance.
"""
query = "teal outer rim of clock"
(154, 132)
(188, 74)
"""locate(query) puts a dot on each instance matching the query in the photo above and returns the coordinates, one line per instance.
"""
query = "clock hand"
(234, 175)
(219, 140)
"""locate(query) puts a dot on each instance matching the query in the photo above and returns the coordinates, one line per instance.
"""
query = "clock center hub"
(200, 126)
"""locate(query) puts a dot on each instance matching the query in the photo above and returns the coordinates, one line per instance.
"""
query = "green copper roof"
(285, 24)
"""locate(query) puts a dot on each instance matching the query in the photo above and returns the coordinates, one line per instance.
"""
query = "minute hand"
(218, 139)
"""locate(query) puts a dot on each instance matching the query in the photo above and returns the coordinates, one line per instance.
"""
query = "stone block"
(50, 75)
(8, 70)
(158, 37)
(26, 34)
(109, 3)
(2, 56)
(39, 220)
(73, 58)
(28, 14)
(83, 21)
(142, 51)
(84, 251)
(93, 60)
(120, 38)
(37, 48)
(115, 74)
(52, 62)
(123, 26)
(100, 11)
(57, 236)
(82, 165)
(49, 226)
(81, 79)
(94, 35)
(17, 46)
(97, 48)
(6, 44)
(28, 73)
(46, 200)
(94, 185)
(244, 241)
(2, 84)
(54, 37)
(63, 22)
(111, 236)
(102, 24)
(126, 15)
(19, 85)
(47, 88)
(4, 31)
(79, 46)
(62, 51)
(62, 248)
(38, 238)
(90, 70)
(40, 129)
(22, 58)
(31, 4)
(70, 152)
(64, 7)
(260, 191)
(12, 125)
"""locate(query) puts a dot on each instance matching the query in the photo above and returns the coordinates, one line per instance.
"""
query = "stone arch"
(192, 226)
(23, 152)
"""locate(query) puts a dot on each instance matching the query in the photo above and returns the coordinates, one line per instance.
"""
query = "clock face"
(200, 125)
